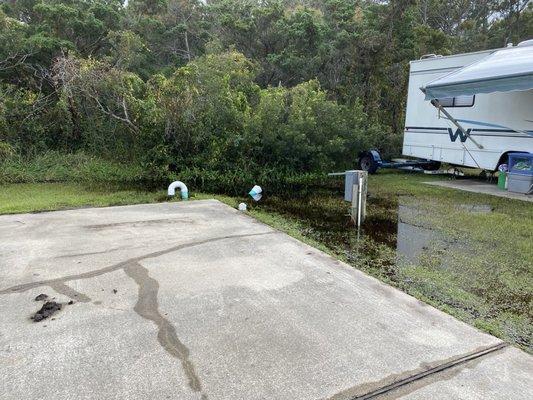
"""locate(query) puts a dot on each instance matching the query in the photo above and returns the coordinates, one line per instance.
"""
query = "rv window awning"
(504, 70)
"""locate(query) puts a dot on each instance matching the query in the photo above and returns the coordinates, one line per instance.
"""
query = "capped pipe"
(181, 186)
(256, 193)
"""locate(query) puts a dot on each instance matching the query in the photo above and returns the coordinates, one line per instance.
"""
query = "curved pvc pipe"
(181, 186)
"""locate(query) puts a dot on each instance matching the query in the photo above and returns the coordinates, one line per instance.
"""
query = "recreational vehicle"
(468, 110)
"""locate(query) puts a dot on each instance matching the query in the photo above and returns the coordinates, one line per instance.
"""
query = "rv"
(468, 109)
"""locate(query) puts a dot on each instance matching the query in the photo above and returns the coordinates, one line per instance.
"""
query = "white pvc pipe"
(359, 199)
(181, 186)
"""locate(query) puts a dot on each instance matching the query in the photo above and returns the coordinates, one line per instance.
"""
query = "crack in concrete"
(148, 307)
(148, 222)
(388, 386)
(92, 274)
(64, 289)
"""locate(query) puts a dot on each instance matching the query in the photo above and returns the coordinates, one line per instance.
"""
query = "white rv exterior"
(499, 122)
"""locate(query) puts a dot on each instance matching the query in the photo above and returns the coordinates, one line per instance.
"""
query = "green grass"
(477, 266)
(57, 167)
(34, 197)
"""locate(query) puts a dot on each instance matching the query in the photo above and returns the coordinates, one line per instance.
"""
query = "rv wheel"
(367, 163)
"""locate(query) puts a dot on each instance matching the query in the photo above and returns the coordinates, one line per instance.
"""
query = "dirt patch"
(41, 297)
(49, 308)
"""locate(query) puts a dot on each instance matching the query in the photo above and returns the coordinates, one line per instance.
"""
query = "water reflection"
(411, 240)
(404, 227)
(400, 223)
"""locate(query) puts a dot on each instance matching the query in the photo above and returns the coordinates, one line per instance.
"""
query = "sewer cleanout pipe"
(181, 186)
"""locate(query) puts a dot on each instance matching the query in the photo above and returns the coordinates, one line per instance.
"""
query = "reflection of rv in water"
(468, 109)
(414, 240)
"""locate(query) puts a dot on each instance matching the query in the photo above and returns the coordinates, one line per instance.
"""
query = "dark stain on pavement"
(133, 224)
(147, 307)
(64, 289)
(60, 283)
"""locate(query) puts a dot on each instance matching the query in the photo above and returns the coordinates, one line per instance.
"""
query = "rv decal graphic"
(458, 133)
(480, 123)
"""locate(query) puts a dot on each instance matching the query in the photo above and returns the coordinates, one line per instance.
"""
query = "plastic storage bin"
(520, 175)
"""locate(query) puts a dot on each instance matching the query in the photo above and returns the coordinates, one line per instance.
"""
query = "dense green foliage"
(225, 91)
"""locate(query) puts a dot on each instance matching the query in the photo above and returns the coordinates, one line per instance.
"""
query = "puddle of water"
(391, 222)
(412, 240)
(399, 231)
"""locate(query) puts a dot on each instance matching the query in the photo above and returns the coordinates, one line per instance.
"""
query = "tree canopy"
(296, 85)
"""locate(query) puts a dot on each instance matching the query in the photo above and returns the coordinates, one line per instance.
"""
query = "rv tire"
(367, 163)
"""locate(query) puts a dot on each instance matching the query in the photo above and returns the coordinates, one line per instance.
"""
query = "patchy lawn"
(35, 197)
(467, 254)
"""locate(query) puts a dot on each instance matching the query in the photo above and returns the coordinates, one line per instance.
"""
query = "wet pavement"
(474, 186)
(198, 301)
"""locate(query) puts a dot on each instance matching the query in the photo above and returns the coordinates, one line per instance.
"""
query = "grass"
(35, 197)
(53, 166)
(475, 266)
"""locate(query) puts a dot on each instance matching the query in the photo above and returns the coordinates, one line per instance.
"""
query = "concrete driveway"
(198, 301)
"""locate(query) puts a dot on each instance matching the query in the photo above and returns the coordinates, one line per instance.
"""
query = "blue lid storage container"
(521, 164)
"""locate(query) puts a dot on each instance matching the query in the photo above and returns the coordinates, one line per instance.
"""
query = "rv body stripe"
(445, 131)
(501, 128)
(481, 123)
(436, 128)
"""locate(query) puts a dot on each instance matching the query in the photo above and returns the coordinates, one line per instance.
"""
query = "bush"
(208, 123)
(83, 168)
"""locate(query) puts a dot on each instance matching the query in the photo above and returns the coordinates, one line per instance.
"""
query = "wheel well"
(375, 160)
(504, 156)
(373, 153)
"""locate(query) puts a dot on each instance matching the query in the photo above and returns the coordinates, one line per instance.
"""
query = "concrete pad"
(198, 301)
(473, 186)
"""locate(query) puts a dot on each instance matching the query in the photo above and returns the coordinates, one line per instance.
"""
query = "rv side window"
(459, 101)
(463, 101)
(447, 102)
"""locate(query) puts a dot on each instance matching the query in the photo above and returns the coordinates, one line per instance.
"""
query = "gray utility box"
(519, 183)
(350, 178)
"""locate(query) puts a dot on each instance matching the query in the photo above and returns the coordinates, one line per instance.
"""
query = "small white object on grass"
(242, 207)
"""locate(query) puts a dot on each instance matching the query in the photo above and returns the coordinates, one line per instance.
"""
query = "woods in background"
(234, 87)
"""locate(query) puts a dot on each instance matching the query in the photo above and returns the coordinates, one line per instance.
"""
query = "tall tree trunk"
(187, 45)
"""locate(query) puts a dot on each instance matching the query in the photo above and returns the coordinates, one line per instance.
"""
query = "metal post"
(359, 190)
(359, 195)
(355, 201)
